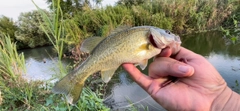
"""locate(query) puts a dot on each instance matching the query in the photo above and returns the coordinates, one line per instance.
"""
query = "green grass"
(12, 64)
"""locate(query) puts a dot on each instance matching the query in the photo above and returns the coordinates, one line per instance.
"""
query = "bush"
(29, 32)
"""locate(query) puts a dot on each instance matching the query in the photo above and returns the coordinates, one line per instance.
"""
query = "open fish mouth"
(152, 41)
(161, 38)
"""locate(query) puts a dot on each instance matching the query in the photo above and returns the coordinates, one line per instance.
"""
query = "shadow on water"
(218, 51)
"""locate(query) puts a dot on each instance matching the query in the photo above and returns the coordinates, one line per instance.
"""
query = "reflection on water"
(223, 55)
(41, 63)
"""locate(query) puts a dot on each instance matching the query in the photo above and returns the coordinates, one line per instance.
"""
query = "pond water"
(42, 64)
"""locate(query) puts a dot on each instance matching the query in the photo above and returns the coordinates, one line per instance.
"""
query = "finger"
(164, 66)
(185, 54)
(137, 76)
(165, 52)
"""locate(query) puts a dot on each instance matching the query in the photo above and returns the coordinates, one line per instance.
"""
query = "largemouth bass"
(134, 45)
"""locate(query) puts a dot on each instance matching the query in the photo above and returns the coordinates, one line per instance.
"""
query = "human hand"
(199, 86)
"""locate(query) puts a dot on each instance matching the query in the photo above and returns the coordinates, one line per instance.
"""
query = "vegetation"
(88, 18)
(7, 26)
(234, 33)
(231, 27)
(70, 21)
(29, 32)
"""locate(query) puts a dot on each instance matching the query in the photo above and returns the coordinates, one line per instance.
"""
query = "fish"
(126, 45)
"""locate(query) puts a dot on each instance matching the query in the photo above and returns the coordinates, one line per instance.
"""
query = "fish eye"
(167, 31)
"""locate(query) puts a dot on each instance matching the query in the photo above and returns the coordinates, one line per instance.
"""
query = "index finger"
(147, 83)
(143, 80)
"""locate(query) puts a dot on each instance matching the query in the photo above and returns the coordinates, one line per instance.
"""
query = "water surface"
(42, 63)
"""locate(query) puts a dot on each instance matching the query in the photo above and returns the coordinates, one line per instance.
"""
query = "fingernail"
(183, 68)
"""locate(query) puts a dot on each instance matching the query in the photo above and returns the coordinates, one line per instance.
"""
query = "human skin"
(199, 86)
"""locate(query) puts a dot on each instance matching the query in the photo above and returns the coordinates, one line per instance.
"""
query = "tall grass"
(12, 64)
(12, 67)
(53, 28)
(179, 16)
(16, 92)
(52, 25)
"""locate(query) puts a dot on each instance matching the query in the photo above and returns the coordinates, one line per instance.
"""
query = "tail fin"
(70, 87)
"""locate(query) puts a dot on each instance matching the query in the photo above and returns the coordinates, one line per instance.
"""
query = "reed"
(12, 64)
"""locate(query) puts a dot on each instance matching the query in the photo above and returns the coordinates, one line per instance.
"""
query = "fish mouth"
(152, 41)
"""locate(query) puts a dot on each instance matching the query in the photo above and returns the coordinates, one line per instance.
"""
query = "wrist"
(227, 100)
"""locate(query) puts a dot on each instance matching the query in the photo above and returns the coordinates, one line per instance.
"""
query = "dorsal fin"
(90, 43)
(119, 29)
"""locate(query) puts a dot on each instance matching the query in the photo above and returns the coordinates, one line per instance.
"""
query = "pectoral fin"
(143, 64)
(107, 74)
(90, 43)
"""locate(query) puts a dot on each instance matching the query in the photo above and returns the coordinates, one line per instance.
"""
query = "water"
(41, 65)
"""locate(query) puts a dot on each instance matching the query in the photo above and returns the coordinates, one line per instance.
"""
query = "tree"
(131, 2)
(8, 27)
(73, 6)
(29, 32)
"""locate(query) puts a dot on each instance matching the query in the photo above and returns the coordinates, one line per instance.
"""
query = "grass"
(12, 64)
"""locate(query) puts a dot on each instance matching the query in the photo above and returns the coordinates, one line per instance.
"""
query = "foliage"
(232, 34)
(53, 28)
(231, 27)
(7, 26)
(12, 64)
(29, 32)
(73, 6)
(131, 2)
(179, 16)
